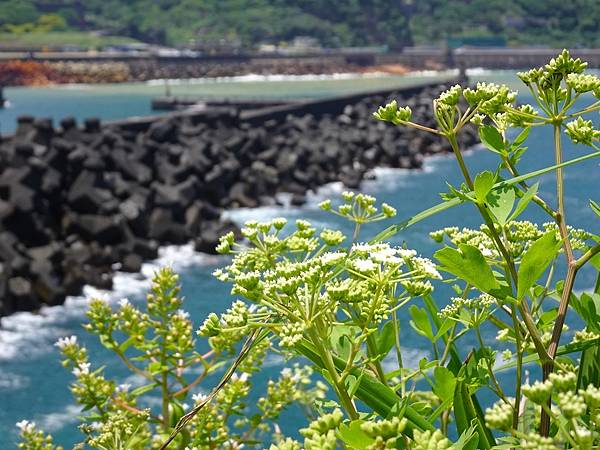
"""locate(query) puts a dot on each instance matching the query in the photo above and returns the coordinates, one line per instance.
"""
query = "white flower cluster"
(470, 311)
(82, 369)
(25, 426)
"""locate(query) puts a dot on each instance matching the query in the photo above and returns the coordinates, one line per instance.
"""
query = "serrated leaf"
(492, 139)
(483, 184)
(501, 202)
(468, 264)
(535, 261)
(524, 201)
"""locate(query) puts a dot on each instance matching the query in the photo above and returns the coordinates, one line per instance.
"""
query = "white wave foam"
(57, 420)
(11, 381)
(255, 77)
(25, 334)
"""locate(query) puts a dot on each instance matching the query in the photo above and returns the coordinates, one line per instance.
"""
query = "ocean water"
(34, 386)
(118, 101)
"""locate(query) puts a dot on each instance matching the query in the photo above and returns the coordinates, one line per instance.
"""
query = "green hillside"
(247, 23)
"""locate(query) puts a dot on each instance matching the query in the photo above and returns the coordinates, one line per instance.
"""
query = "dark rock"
(164, 228)
(132, 263)
(211, 233)
(20, 293)
(103, 229)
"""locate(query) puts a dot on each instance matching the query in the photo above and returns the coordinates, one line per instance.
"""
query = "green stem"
(373, 353)
(327, 360)
(396, 324)
(519, 368)
(523, 308)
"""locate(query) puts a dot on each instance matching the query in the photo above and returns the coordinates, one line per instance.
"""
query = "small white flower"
(486, 252)
(82, 369)
(198, 397)
(332, 257)
(243, 377)
(386, 255)
(124, 303)
(184, 315)
(406, 253)
(65, 342)
(123, 387)
(362, 247)
(427, 267)
(26, 426)
(364, 265)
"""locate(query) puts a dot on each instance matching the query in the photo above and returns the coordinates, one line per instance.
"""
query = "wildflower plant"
(336, 301)
(159, 347)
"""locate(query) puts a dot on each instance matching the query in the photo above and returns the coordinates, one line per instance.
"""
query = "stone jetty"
(79, 202)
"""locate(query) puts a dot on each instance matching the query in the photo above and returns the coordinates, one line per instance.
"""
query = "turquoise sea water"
(34, 386)
(118, 101)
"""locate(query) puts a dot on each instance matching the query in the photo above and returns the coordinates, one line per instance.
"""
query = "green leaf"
(444, 383)
(524, 201)
(125, 345)
(567, 349)
(520, 138)
(443, 328)
(483, 184)
(386, 339)
(143, 389)
(376, 395)
(468, 264)
(466, 416)
(420, 322)
(468, 440)
(352, 383)
(396, 228)
(595, 207)
(589, 367)
(536, 260)
(501, 202)
(492, 139)
(588, 308)
(353, 436)
(595, 261)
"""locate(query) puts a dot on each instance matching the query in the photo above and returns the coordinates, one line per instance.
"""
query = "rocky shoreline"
(79, 203)
(43, 73)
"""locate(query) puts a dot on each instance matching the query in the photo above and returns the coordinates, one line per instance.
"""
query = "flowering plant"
(335, 300)
(158, 347)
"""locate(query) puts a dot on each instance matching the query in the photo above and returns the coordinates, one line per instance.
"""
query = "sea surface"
(34, 386)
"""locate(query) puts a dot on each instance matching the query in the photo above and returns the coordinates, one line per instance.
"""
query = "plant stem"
(572, 268)
(340, 390)
(523, 308)
(399, 351)
(372, 352)
(519, 368)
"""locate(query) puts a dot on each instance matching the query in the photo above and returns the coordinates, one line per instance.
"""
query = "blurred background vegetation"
(245, 24)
